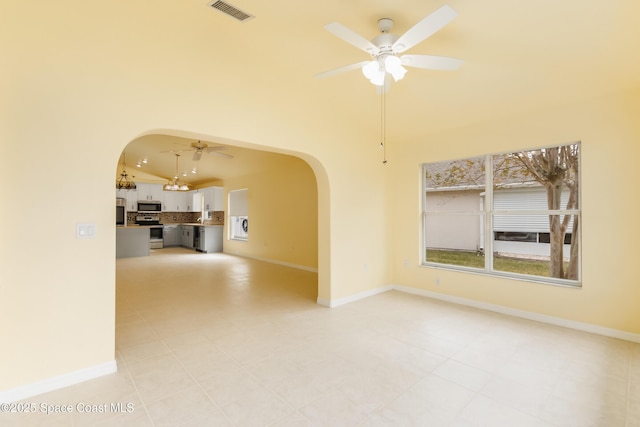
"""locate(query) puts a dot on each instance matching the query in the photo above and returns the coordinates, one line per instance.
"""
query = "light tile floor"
(217, 340)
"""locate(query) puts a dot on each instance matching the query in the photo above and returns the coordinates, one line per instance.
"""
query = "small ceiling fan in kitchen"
(385, 49)
(198, 148)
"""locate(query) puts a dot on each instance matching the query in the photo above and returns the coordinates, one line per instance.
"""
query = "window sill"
(573, 284)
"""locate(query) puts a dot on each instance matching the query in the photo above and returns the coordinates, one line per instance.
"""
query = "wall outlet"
(437, 281)
(406, 263)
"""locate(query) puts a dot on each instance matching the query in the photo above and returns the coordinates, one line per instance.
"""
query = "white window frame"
(487, 226)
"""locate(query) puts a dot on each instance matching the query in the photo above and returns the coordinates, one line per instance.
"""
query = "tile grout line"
(175, 357)
(200, 386)
(626, 409)
(135, 386)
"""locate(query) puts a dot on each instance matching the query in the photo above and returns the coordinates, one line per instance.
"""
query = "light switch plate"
(85, 231)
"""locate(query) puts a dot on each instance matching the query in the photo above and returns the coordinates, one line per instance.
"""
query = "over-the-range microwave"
(149, 206)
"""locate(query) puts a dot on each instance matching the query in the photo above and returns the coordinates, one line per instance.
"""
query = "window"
(514, 214)
(238, 215)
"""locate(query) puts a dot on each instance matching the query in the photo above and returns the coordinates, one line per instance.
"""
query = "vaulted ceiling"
(518, 57)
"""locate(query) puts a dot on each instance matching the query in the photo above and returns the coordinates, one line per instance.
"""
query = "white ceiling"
(519, 56)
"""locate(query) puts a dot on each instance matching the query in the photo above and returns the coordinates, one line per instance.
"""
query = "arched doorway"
(283, 192)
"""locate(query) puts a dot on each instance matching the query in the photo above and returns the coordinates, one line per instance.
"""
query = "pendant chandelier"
(123, 183)
(175, 185)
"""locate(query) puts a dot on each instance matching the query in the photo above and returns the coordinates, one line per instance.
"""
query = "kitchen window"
(512, 214)
(239, 214)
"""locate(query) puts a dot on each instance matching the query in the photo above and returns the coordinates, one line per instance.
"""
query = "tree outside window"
(515, 213)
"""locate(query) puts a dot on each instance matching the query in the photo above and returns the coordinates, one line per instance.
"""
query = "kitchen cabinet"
(194, 201)
(174, 201)
(171, 235)
(132, 242)
(186, 236)
(132, 199)
(209, 238)
(213, 198)
(149, 191)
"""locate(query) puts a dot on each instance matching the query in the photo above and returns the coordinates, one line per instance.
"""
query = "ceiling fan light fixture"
(370, 69)
(378, 79)
(374, 72)
(393, 65)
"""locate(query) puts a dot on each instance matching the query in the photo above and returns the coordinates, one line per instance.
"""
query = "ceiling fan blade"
(351, 37)
(425, 28)
(431, 62)
(216, 148)
(174, 151)
(340, 70)
(225, 155)
(197, 155)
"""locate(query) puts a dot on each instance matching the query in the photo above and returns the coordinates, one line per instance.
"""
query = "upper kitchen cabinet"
(188, 201)
(213, 199)
(174, 201)
(149, 191)
(132, 199)
(194, 201)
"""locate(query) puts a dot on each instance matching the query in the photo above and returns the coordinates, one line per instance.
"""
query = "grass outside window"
(500, 263)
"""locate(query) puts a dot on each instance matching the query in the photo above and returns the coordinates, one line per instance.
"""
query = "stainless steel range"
(155, 229)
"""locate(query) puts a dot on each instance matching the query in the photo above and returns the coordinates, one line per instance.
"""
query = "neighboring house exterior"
(518, 236)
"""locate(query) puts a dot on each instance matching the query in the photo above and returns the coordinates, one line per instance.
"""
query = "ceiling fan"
(385, 48)
(200, 147)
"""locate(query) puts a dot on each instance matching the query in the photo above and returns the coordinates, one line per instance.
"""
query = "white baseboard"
(543, 318)
(352, 298)
(273, 261)
(58, 382)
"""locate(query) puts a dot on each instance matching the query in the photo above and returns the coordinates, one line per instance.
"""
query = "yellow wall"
(609, 131)
(79, 82)
(77, 88)
(283, 214)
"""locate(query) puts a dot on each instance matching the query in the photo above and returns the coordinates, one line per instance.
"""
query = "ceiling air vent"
(232, 11)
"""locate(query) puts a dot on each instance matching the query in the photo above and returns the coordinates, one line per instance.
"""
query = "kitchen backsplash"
(217, 217)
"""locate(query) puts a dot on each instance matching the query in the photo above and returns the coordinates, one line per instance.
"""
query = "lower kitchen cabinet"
(208, 238)
(132, 242)
(186, 236)
(171, 235)
(202, 238)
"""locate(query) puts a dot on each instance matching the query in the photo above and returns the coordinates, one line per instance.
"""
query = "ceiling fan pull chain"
(383, 127)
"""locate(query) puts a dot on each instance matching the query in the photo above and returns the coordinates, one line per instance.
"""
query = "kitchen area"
(151, 218)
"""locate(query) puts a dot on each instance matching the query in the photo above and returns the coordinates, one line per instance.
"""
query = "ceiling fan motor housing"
(384, 42)
(385, 24)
